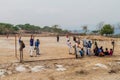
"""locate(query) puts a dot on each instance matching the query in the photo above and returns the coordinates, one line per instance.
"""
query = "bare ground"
(76, 69)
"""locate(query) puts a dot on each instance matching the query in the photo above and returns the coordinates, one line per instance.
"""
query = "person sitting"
(111, 52)
(106, 52)
(81, 52)
(101, 52)
(102, 49)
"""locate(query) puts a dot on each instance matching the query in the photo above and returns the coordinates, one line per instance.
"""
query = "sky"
(69, 14)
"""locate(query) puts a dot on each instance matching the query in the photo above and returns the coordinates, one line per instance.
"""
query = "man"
(85, 45)
(22, 45)
(74, 38)
(89, 45)
(113, 44)
(31, 46)
(57, 38)
(69, 46)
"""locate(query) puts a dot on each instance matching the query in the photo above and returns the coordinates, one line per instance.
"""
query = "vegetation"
(107, 29)
(85, 29)
(6, 28)
(95, 31)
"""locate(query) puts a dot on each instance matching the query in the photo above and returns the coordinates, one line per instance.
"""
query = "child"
(81, 52)
(101, 52)
(111, 52)
(37, 43)
(106, 52)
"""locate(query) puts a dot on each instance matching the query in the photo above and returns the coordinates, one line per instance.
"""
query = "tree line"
(6, 28)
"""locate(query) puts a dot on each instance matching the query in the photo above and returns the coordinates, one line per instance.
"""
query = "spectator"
(69, 46)
(37, 43)
(111, 52)
(31, 46)
(89, 45)
(106, 52)
(58, 38)
(22, 45)
(74, 38)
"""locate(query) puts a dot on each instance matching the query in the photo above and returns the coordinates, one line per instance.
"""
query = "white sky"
(67, 13)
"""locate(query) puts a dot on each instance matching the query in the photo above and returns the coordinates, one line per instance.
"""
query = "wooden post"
(15, 45)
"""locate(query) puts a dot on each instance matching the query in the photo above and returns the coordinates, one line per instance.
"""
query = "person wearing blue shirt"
(37, 43)
(89, 45)
(31, 46)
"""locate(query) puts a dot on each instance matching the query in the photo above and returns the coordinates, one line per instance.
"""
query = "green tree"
(6, 28)
(107, 29)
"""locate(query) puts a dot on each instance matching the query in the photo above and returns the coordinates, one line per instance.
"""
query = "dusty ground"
(76, 69)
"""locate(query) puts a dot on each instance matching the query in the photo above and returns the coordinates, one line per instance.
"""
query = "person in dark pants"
(31, 46)
(96, 51)
(22, 46)
(57, 38)
(74, 38)
(37, 43)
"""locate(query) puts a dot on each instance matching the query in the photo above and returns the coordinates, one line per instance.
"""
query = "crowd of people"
(85, 46)
(81, 47)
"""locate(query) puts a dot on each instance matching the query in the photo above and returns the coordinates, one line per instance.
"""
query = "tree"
(85, 29)
(99, 26)
(107, 29)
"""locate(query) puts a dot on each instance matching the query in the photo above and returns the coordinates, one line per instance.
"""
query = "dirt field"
(87, 68)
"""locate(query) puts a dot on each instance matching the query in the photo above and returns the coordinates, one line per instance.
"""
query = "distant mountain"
(116, 31)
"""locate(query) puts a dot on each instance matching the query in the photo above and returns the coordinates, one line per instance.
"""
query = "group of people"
(34, 46)
(85, 48)
(81, 49)
(99, 51)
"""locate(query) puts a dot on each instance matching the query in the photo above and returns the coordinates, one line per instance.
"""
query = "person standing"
(31, 46)
(78, 40)
(70, 46)
(74, 38)
(85, 45)
(19, 39)
(89, 45)
(22, 45)
(113, 44)
(80, 49)
(57, 38)
(37, 43)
